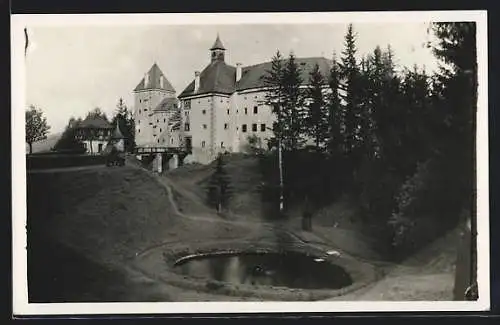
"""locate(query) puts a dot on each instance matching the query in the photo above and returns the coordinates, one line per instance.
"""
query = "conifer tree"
(125, 119)
(317, 110)
(273, 81)
(219, 191)
(351, 79)
(335, 111)
(293, 106)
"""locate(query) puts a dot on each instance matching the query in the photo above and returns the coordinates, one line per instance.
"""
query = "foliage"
(316, 119)
(125, 119)
(254, 145)
(219, 191)
(399, 143)
(36, 126)
(68, 140)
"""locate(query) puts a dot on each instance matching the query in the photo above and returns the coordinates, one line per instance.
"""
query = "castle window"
(226, 126)
(204, 126)
(254, 127)
(203, 144)
(139, 111)
(245, 98)
(187, 104)
(157, 121)
(263, 127)
(222, 101)
(145, 110)
(227, 112)
(255, 109)
(140, 101)
(186, 127)
(160, 130)
(138, 130)
(203, 112)
(246, 111)
(222, 144)
(164, 120)
(138, 122)
(244, 128)
(158, 140)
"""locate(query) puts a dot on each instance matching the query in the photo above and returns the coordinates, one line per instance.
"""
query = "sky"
(72, 69)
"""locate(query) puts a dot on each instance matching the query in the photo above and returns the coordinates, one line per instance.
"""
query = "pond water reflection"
(292, 270)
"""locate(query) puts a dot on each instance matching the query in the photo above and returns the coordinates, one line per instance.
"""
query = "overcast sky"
(71, 70)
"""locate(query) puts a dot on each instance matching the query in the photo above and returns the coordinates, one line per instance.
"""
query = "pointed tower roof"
(218, 44)
(156, 80)
(117, 134)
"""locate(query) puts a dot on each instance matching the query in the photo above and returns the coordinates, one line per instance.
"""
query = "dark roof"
(167, 104)
(94, 122)
(155, 75)
(252, 76)
(117, 134)
(218, 77)
(218, 44)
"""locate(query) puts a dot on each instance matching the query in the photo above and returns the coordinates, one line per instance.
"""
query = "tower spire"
(217, 50)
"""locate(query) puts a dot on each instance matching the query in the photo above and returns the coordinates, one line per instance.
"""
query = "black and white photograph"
(215, 163)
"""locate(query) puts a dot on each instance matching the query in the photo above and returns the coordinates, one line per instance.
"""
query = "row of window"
(255, 111)
(203, 144)
(254, 128)
(226, 126)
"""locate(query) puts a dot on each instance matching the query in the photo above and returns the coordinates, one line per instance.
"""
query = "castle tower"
(148, 94)
(217, 51)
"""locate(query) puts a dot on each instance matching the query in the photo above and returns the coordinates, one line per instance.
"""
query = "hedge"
(62, 160)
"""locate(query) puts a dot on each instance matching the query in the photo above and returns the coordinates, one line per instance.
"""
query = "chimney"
(196, 81)
(238, 72)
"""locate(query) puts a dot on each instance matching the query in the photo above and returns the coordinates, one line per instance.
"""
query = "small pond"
(293, 270)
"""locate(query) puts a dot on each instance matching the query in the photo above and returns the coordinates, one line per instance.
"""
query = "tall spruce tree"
(316, 121)
(219, 191)
(293, 112)
(350, 73)
(273, 81)
(335, 111)
(125, 119)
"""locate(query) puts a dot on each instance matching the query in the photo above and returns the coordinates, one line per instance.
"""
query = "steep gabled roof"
(167, 104)
(217, 44)
(218, 77)
(117, 133)
(94, 122)
(155, 80)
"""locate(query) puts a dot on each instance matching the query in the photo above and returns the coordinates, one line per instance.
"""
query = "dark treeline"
(399, 144)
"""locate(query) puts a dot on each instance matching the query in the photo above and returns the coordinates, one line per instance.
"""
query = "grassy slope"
(85, 225)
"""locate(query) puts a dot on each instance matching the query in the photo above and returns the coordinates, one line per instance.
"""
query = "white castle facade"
(217, 112)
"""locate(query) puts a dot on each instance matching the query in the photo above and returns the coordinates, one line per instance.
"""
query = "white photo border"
(19, 271)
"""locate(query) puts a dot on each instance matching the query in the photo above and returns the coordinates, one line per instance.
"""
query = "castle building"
(156, 111)
(218, 111)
